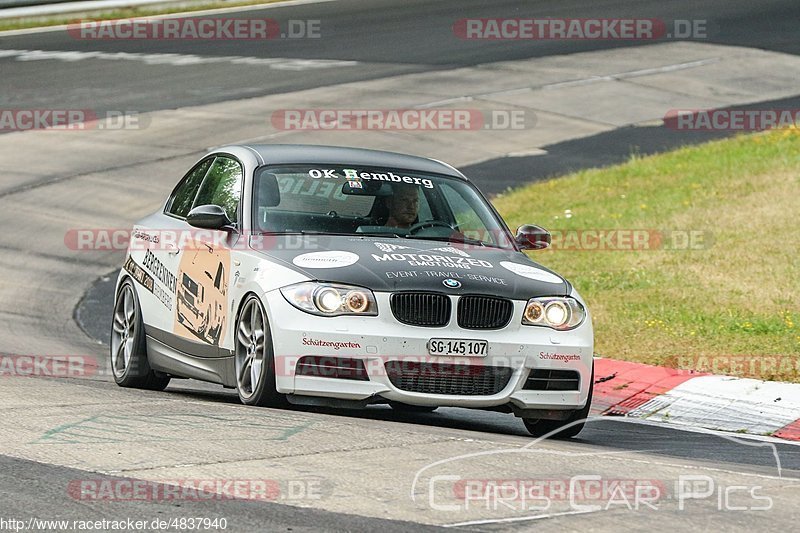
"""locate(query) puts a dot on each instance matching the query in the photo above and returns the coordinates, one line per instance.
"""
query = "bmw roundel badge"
(451, 283)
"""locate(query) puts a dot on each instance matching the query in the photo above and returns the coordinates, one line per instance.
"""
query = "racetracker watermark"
(50, 366)
(593, 239)
(175, 490)
(755, 366)
(466, 360)
(194, 28)
(629, 240)
(540, 493)
(179, 523)
(433, 119)
(601, 29)
(69, 120)
(115, 239)
(731, 119)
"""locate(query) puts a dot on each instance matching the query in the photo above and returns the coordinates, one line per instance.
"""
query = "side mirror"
(531, 237)
(209, 217)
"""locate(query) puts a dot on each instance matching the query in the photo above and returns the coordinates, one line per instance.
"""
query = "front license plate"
(459, 347)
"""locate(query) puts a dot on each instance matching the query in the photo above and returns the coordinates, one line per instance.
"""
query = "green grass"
(124, 13)
(737, 295)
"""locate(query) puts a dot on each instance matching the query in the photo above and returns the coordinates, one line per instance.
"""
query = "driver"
(403, 206)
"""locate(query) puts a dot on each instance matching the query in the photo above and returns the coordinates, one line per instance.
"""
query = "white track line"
(177, 60)
(517, 518)
(254, 7)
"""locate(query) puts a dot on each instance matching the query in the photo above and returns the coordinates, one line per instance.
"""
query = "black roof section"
(314, 154)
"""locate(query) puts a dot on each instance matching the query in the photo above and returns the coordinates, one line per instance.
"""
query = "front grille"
(484, 312)
(448, 378)
(332, 367)
(421, 308)
(561, 380)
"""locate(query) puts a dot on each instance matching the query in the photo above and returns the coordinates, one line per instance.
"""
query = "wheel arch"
(242, 300)
(233, 324)
(122, 278)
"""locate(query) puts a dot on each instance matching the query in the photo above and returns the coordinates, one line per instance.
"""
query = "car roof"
(317, 154)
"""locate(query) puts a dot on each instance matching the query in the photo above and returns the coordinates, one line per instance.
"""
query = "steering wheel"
(428, 224)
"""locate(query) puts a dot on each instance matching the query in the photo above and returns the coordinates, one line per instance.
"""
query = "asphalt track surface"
(385, 38)
(32, 489)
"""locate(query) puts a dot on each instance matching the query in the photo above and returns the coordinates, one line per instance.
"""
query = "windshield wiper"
(358, 234)
(460, 240)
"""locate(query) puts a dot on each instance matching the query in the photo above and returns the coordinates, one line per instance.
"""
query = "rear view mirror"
(208, 217)
(366, 188)
(268, 191)
(532, 237)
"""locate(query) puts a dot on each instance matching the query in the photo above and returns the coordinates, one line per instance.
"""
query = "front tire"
(254, 357)
(128, 352)
(572, 425)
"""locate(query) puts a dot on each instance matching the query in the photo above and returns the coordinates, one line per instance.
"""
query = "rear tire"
(254, 357)
(128, 350)
(539, 428)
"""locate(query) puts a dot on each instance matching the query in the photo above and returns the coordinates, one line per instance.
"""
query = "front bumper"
(375, 340)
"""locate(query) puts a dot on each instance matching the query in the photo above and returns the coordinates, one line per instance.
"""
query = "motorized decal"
(530, 272)
(201, 309)
(391, 247)
(433, 260)
(330, 259)
(451, 250)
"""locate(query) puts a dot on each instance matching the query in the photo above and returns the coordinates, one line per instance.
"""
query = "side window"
(222, 186)
(183, 196)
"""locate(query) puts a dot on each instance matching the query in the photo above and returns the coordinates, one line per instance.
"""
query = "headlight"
(331, 299)
(555, 312)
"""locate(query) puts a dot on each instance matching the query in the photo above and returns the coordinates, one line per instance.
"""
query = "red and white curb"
(685, 397)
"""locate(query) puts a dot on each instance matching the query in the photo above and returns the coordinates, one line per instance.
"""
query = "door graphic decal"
(201, 302)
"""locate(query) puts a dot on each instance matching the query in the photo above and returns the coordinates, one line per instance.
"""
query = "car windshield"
(357, 200)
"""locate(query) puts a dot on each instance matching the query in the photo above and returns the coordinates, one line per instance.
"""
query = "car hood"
(397, 264)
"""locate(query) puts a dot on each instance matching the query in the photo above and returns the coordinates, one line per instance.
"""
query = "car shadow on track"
(607, 433)
(450, 417)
